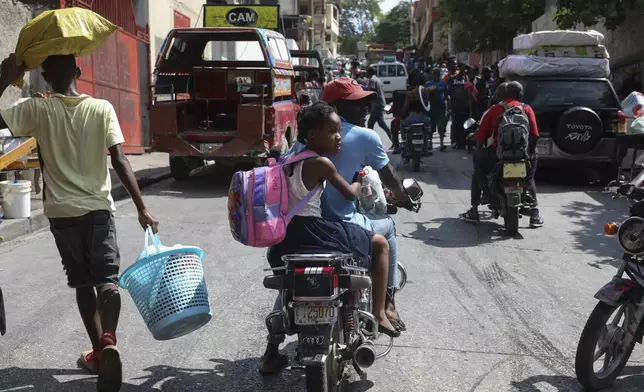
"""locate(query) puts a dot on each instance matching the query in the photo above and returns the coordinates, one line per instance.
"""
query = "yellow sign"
(260, 16)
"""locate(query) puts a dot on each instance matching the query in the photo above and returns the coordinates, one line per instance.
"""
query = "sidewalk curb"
(11, 229)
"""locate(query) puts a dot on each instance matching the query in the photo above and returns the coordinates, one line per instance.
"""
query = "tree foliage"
(357, 20)
(394, 27)
(488, 24)
(571, 13)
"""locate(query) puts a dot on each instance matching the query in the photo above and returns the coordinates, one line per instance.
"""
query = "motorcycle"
(508, 187)
(326, 301)
(413, 137)
(614, 337)
(413, 141)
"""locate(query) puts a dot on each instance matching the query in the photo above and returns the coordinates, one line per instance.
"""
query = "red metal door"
(112, 72)
(181, 21)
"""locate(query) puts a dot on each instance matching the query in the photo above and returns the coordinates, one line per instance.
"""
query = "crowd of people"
(73, 130)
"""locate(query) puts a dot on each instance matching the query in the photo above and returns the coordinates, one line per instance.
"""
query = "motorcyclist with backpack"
(487, 137)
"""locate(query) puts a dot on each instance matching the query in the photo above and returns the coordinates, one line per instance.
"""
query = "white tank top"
(297, 191)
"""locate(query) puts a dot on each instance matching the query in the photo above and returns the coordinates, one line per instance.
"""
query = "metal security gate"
(114, 71)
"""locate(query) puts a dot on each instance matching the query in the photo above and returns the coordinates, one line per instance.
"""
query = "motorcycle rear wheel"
(511, 220)
(328, 378)
(596, 333)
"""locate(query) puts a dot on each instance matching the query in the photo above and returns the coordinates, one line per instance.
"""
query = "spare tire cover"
(579, 130)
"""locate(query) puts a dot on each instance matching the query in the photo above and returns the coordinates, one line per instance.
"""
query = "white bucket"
(16, 199)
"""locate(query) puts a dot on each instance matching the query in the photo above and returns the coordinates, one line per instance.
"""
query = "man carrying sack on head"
(73, 131)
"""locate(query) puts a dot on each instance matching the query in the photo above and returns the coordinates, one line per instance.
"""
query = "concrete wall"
(289, 7)
(13, 16)
(161, 20)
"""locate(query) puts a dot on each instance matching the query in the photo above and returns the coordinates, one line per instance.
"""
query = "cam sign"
(260, 16)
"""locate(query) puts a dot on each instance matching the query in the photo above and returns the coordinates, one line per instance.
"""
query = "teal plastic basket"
(169, 289)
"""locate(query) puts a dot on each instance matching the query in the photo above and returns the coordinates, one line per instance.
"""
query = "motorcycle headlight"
(631, 235)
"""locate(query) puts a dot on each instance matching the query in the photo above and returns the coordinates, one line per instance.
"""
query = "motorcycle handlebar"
(409, 204)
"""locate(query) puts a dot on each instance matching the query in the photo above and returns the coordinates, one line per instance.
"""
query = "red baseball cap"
(344, 89)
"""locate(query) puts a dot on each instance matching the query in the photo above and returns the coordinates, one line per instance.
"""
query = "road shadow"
(453, 232)
(209, 182)
(587, 220)
(224, 376)
(630, 380)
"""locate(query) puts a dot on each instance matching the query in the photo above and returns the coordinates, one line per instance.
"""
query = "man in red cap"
(360, 147)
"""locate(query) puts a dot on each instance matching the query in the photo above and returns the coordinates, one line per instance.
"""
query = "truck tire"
(181, 167)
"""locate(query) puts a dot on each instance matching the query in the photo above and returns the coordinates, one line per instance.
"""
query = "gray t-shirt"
(375, 84)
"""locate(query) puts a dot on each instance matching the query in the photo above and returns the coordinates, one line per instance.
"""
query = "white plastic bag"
(632, 104)
(372, 199)
(637, 126)
(155, 247)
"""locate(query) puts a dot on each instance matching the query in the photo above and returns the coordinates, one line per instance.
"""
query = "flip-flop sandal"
(389, 332)
(110, 370)
(88, 362)
(280, 363)
(398, 324)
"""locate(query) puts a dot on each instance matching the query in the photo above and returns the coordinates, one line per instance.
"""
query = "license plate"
(206, 148)
(544, 148)
(514, 170)
(314, 313)
(417, 141)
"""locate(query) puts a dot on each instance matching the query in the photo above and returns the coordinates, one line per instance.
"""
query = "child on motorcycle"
(319, 129)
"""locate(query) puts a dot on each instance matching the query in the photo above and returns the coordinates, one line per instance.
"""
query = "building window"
(327, 37)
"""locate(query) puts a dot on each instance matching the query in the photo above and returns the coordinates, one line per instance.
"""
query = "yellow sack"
(76, 31)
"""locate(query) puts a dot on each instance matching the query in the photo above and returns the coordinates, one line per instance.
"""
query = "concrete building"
(165, 15)
(430, 37)
(14, 16)
(325, 25)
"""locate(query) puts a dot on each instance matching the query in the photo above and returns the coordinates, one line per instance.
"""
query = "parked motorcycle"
(617, 322)
(327, 303)
(508, 187)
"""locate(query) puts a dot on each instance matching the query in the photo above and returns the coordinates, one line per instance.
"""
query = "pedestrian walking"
(73, 131)
(377, 114)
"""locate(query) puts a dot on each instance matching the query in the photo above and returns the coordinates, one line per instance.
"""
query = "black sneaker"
(471, 215)
(397, 150)
(443, 147)
(536, 221)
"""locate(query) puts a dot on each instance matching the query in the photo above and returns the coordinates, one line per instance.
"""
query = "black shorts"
(87, 247)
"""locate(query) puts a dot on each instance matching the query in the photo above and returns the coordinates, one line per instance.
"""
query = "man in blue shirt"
(438, 105)
(360, 147)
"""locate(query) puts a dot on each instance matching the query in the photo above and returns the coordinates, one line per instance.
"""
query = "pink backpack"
(258, 203)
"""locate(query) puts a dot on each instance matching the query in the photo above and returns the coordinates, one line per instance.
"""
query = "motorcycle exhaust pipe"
(365, 355)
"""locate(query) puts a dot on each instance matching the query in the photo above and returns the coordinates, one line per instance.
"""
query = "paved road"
(485, 312)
